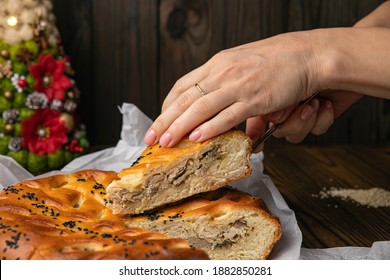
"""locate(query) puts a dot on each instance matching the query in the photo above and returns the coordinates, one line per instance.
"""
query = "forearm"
(355, 59)
(380, 17)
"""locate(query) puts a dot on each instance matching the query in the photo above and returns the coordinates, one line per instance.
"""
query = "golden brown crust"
(156, 154)
(64, 217)
(216, 204)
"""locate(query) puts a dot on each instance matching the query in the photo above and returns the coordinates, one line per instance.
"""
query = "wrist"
(332, 57)
(354, 59)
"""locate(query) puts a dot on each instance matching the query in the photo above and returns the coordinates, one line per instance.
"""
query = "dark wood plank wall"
(134, 51)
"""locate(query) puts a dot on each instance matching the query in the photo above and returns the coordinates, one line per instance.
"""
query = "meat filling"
(176, 177)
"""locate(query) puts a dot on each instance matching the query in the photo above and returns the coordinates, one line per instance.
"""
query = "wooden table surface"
(302, 172)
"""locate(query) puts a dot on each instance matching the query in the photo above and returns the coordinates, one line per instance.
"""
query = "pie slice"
(226, 223)
(165, 175)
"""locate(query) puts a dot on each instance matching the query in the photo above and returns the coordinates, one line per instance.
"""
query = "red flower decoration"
(44, 132)
(50, 78)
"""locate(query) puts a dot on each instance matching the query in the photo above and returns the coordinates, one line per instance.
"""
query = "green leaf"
(20, 68)
(36, 163)
(14, 51)
(32, 47)
(56, 160)
(20, 100)
(17, 129)
(83, 142)
(68, 156)
(30, 81)
(6, 85)
(4, 145)
(20, 157)
(25, 113)
(4, 104)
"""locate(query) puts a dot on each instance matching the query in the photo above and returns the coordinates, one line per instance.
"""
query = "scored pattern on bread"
(226, 223)
(65, 217)
(165, 175)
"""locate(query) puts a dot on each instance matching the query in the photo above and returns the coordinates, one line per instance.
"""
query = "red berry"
(22, 83)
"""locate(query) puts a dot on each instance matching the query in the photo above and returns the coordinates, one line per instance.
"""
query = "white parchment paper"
(130, 146)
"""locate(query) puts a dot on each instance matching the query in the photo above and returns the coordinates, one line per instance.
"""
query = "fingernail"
(306, 112)
(328, 104)
(275, 116)
(195, 135)
(150, 137)
(165, 139)
(316, 104)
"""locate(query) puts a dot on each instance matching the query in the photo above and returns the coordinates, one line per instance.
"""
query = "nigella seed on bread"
(64, 217)
(165, 175)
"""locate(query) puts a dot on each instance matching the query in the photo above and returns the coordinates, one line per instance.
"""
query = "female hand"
(300, 120)
(248, 81)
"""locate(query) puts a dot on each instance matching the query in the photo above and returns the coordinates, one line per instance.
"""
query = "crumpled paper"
(130, 146)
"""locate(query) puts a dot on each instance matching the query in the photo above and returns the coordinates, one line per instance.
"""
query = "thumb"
(255, 128)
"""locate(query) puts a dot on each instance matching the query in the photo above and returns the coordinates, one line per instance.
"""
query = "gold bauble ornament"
(8, 95)
(5, 54)
(71, 94)
(9, 128)
(68, 120)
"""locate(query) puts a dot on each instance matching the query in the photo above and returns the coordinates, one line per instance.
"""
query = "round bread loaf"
(65, 217)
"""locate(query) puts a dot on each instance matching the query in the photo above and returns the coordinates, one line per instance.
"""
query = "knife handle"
(271, 130)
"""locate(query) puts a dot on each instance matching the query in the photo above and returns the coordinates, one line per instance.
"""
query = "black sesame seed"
(98, 186)
(81, 180)
(69, 224)
(12, 189)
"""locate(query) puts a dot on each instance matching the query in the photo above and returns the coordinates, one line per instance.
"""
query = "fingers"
(162, 123)
(185, 114)
(184, 84)
(315, 117)
(299, 123)
(255, 128)
(325, 118)
(224, 121)
(281, 115)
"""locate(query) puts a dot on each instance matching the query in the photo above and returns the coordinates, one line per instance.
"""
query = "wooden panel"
(193, 31)
(124, 61)
(74, 24)
(368, 121)
(113, 46)
(134, 51)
